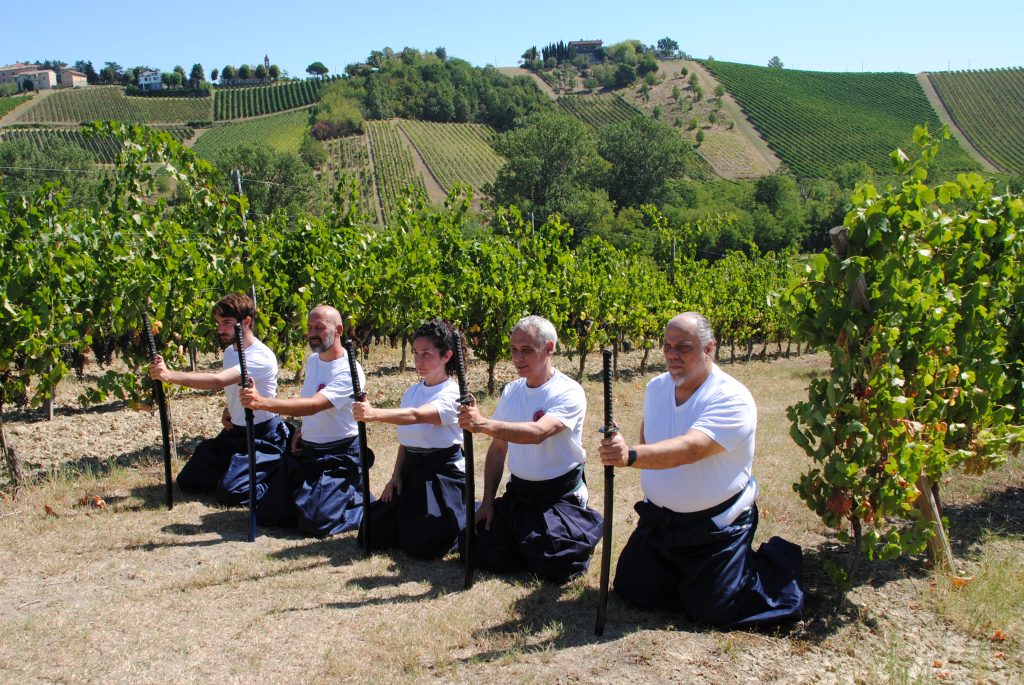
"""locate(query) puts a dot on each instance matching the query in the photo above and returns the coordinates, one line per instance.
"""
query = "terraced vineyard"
(455, 152)
(988, 106)
(283, 132)
(392, 164)
(104, 150)
(238, 103)
(9, 103)
(74, 105)
(816, 120)
(599, 110)
(349, 156)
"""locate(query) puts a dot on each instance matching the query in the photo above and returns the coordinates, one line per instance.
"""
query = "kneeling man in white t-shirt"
(691, 550)
(541, 524)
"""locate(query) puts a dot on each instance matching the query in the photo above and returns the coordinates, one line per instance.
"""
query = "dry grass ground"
(133, 593)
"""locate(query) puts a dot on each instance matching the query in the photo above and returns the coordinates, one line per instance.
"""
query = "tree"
(667, 47)
(775, 62)
(227, 73)
(261, 72)
(245, 72)
(274, 72)
(624, 75)
(180, 71)
(288, 183)
(551, 159)
(441, 53)
(643, 155)
(214, 74)
(86, 68)
(111, 72)
(197, 75)
(317, 69)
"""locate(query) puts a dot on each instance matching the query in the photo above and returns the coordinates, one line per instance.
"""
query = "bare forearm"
(293, 406)
(404, 416)
(494, 467)
(197, 380)
(688, 448)
(521, 433)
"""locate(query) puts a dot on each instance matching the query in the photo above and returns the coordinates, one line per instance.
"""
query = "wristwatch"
(631, 458)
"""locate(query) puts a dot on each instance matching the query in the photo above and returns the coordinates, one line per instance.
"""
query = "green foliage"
(817, 120)
(280, 132)
(102, 150)
(396, 177)
(338, 113)
(274, 181)
(317, 69)
(30, 168)
(921, 318)
(420, 85)
(550, 158)
(642, 156)
(988, 106)
(100, 103)
(312, 152)
(238, 103)
(455, 153)
(599, 110)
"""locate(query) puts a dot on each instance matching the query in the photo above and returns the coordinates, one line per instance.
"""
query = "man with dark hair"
(542, 523)
(323, 466)
(221, 464)
(691, 550)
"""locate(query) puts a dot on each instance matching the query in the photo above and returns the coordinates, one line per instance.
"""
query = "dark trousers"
(429, 515)
(221, 465)
(539, 526)
(326, 487)
(684, 562)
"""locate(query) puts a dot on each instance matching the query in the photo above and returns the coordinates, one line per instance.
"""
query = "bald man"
(221, 464)
(323, 463)
(691, 550)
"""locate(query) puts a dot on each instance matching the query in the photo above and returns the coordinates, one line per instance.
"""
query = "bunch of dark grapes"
(73, 358)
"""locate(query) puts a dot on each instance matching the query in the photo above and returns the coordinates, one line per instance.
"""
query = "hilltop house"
(150, 80)
(587, 48)
(69, 78)
(28, 76)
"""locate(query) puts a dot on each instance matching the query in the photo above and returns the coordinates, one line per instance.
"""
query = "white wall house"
(25, 74)
(150, 80)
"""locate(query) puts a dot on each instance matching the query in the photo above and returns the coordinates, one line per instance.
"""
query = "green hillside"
(455, 152)
(238, 103)
(282, 132)
(103, 149)
(392, 165)
(74, 105)
(816, 121)
(988, 106)
(9, 103)
(598, 110)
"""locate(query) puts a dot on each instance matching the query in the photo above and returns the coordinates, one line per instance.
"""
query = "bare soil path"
(435, 191)
(945, 117)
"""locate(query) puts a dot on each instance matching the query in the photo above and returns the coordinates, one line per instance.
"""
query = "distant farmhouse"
(69, 78)
(149, 79)
(587, 48)
(28, 76)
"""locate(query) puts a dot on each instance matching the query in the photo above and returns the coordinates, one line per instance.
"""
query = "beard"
(322, 344)
(225, 341)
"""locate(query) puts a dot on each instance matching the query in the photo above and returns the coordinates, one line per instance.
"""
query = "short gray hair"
(539, 327)
(705, 333)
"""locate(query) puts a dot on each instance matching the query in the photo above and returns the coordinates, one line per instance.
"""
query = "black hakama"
(221, 465)
(429, 515)
(684, 562)
(327, 490)
(540, 527)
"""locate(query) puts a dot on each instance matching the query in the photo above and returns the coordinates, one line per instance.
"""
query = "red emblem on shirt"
(538, 414)
(321, 387)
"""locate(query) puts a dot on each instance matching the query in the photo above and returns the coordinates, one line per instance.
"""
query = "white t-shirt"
(721, 408)
(333, 380)
(261, 364)
(560, 397)
(445, 398)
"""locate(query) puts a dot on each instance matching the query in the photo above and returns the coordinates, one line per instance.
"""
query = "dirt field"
(130, 592)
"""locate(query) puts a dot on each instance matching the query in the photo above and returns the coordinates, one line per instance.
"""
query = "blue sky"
(822, 35)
